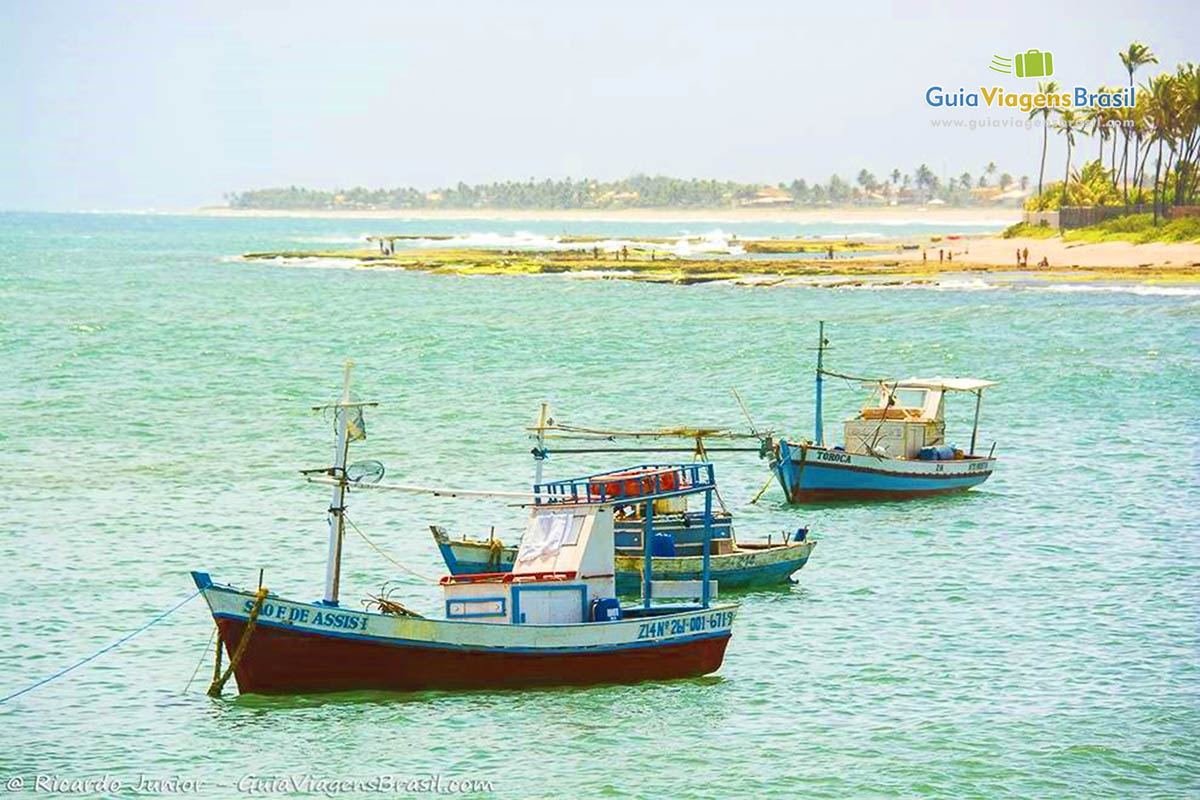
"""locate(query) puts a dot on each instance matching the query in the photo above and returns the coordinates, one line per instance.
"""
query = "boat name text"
(324, 619)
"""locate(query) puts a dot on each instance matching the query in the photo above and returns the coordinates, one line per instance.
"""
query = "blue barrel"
(800, 535)
(662, 545)
(606, 609)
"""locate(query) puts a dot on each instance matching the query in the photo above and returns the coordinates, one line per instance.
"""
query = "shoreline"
(887, 215)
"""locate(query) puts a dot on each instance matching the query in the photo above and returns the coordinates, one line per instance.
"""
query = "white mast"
(337, 506)
(540, 453)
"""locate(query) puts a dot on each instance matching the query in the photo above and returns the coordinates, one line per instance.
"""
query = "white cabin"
(564, 565)
(902, 417)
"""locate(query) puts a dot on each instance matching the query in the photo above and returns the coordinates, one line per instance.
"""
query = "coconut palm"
(1068, 123)
(1044, 88)
(1162, 115)
(1135, 56)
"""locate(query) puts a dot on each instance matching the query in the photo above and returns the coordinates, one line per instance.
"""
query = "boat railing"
(639, 484)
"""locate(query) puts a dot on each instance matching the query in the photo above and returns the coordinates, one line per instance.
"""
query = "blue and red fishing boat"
(554, 619)
(677, 549)
(895, 448)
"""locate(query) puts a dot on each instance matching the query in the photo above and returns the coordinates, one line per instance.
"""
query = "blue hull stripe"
(388, 642)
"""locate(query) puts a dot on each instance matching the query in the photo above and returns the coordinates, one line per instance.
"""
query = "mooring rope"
(219, 678)
(102, 651)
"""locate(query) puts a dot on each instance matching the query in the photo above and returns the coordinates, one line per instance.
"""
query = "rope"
(854, 377)
(218, 683)
(495, 551)
(102, 651)
(200, 663)
(379, 550)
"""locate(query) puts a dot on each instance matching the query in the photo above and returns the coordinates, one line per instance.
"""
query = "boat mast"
(337, 506)
(975, 425)
(819, 434)
(539, 454)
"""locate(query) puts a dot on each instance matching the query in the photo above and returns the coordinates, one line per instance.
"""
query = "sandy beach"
(996, 251)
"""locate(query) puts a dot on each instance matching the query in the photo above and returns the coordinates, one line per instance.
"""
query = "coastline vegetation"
(1135, 228)
(1157, 162)
(920, 185)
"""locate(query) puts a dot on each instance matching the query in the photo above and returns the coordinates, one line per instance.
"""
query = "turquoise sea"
(1038, 637)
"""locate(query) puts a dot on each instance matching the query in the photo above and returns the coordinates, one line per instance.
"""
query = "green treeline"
(645, 191)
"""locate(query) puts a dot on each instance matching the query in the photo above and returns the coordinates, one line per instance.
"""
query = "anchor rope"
(219, 678)
(200, 663)
(102, 650)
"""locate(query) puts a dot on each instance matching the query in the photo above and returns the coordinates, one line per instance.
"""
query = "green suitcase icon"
(1034, 64)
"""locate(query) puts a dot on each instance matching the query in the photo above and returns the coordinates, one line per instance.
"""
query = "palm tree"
(990, 169)
(1137, 55)
(1068, 124)
(925, 178)
(1005, 181)
(895, 176)
(1161, 112)
(1046, 88)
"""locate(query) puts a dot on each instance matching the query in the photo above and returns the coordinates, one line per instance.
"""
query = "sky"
(170, 105)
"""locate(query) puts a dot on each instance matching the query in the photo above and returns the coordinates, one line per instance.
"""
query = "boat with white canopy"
(894, 448)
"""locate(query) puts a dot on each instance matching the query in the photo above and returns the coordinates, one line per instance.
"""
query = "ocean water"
(1037, 637)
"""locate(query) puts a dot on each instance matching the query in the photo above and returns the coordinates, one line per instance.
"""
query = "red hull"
(279, 661)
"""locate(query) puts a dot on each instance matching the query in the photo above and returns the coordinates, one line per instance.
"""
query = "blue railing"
(641, 483)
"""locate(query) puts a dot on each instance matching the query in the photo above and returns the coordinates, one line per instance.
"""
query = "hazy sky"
(170, 104)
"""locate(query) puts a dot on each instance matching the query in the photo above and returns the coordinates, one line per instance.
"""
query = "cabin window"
(548, 533)
(909, 398)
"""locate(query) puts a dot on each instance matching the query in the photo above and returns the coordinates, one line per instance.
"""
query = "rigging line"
(203, 658)
(379, 550)
(102, 650)
(853, 377)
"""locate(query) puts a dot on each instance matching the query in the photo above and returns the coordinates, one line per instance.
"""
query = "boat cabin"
(906, 419)
(560, 573)
(564, 571)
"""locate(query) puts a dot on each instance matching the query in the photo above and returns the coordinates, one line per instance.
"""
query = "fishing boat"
(735, 565)
(895, 448)
(554, 619)
(677, 543)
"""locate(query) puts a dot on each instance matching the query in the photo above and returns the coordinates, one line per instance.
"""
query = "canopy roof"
(945, 384)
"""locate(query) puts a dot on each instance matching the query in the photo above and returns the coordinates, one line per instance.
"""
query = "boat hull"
(308, 648)
(742, 569)
(815, 474)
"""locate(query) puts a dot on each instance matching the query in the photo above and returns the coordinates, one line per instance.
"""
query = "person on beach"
(1026, 259)
(1045, 262)
(624, 253)
(941, 255)
(924, 255)
(1018, 258)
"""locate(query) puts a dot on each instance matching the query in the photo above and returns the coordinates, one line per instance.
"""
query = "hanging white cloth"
(545, 536)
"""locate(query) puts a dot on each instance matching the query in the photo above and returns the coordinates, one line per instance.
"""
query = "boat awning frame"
(938, 384)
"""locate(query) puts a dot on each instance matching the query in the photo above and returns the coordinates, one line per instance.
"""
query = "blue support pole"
(819, 434)
(647, 536)
(706, 571)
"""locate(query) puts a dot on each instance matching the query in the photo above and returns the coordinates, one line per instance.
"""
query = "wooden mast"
(337, 505)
